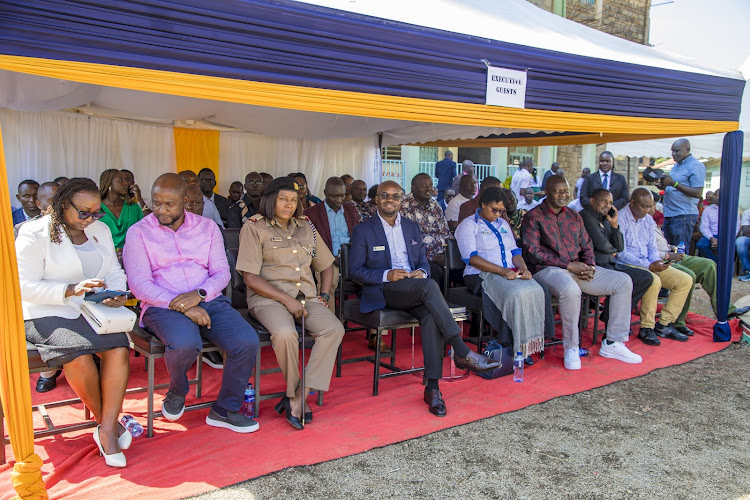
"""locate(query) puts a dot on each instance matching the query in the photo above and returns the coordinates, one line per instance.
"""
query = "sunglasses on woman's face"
(85, 215)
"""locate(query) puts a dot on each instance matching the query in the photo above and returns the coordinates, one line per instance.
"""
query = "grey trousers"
(567, 288)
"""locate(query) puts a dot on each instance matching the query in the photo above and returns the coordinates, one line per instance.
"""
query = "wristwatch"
(201, 293)
(324, 296)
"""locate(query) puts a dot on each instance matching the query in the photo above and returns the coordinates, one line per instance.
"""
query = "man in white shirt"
(709, 228)
(579, 183)
(527, 201)
(466, 191)
(522, 179)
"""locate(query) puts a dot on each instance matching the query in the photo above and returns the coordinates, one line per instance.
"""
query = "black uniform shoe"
(648, 336)
(668, 332)
(45, 384)
(684, 329)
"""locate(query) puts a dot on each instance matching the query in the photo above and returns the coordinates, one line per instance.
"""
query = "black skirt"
(61, 340)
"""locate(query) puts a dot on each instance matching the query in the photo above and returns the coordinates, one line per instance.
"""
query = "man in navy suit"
(607, 179)
(388, 259)
(445, 171)
(27, 196)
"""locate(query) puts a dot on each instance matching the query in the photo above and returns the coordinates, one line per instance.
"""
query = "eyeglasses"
(498, 211)
(387, 196)
(85, 215)
(301, 186)
(255, 183)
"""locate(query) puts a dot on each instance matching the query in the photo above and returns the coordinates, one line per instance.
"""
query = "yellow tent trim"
(14, 363)
(354, 103)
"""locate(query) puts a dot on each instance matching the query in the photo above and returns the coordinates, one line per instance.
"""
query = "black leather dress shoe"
(476, 362)
(648, 336)
(668, 332)
(45, 384)
(685, 330)
(739, 312)
(435, 401)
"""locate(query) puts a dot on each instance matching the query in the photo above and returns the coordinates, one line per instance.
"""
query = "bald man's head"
(168, 197)
(641, 202)
(388, 199)
(680, 150)
(194, 200)
(189, 177)
(44, 195)
(558, 192)
(335, 192)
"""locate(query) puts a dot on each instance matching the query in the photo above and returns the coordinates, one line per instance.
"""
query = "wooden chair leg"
(150, 409)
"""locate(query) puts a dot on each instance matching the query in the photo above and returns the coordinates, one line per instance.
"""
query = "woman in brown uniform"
(277, 247)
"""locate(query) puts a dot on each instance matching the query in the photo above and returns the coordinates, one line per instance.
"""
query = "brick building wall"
(626, 19)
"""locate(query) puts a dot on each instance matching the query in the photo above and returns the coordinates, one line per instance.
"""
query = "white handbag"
(104, 319)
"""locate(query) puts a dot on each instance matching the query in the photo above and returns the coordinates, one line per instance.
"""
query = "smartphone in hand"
(106, 294)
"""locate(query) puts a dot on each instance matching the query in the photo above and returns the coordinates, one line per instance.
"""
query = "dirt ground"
(678, 432)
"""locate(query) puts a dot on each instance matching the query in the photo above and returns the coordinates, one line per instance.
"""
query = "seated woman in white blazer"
(61, 256)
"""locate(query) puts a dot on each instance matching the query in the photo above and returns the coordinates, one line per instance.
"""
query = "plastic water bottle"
(518, 367)
(132, 425)
(248, 405)
(681, 247)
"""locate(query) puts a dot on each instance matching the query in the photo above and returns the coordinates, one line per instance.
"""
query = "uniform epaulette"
(304, 217)
(255, 218)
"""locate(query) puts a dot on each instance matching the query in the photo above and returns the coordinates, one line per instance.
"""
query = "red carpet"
(188, 457)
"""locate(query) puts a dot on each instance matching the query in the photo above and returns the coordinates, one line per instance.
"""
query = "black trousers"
(641, 279)
(422, 299)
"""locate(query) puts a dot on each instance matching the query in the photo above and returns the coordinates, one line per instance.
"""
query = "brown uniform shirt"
(282, 256)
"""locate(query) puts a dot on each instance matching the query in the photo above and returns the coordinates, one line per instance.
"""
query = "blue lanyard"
(499, 239)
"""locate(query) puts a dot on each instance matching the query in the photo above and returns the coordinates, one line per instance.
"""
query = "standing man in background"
(207, 183)
(445, 171)
(549, 173)
(605, 178)
(579, 183)
(682, 188)
(522, 178)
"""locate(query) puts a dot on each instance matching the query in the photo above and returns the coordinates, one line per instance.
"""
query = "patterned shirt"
(432, 223)
(640, 240)
(555, 239)
(515, 222)
(365, 210)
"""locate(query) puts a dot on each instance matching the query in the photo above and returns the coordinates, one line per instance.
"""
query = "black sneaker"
(669, 332)
(214, 359)
(648, 336)
(685, 330)
(234, 421)
(173, 406)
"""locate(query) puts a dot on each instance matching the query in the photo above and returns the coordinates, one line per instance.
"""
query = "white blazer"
(45, 269)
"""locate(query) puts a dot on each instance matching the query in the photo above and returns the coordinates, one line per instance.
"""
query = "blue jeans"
(743, 246)
(182, 339)
(704, 248)
(679, 229)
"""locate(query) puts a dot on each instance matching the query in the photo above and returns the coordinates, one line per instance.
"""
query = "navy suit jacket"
(445, 171)
(18, 216)
(366, 265)
(618, 186)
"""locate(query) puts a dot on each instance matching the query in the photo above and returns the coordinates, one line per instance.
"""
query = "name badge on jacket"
(378, 249)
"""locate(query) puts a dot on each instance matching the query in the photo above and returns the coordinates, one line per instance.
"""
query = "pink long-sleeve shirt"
(162, 263)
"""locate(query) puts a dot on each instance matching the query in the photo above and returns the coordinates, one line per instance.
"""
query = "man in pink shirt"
(177, 268)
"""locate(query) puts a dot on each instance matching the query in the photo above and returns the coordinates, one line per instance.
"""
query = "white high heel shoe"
(114, 460)
(125, 439)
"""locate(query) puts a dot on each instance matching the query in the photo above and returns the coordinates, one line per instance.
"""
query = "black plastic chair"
(461, 295)
(231, 237)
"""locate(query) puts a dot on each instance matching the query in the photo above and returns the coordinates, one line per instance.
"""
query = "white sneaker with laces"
(618, 350)
(572, 358)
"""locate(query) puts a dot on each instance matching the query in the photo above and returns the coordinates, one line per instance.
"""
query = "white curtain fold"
(45, 145)
(244, 152)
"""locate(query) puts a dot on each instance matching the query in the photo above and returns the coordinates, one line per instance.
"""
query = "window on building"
(391, 153)
(709, 176)
(747, 176)
(428, 154)
(518, 154)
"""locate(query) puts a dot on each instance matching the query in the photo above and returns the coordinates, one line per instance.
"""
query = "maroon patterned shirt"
(551, 239)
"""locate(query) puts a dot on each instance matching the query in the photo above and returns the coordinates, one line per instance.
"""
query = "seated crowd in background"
(74, 237)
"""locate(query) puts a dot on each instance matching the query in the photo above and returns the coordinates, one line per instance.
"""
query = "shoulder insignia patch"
(304, 217)
(255, 218)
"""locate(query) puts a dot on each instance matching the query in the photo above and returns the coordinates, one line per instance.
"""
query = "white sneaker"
(572, 358)
(618, 350)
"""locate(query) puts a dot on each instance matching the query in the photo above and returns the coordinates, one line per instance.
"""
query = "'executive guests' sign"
(506, 87)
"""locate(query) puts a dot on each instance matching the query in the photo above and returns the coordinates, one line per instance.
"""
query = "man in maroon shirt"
(558, 249)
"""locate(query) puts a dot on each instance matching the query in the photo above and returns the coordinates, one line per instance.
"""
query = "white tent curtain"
(45, 145)
(243, 152)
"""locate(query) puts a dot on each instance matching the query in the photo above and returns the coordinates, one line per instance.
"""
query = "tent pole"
(731, 171)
